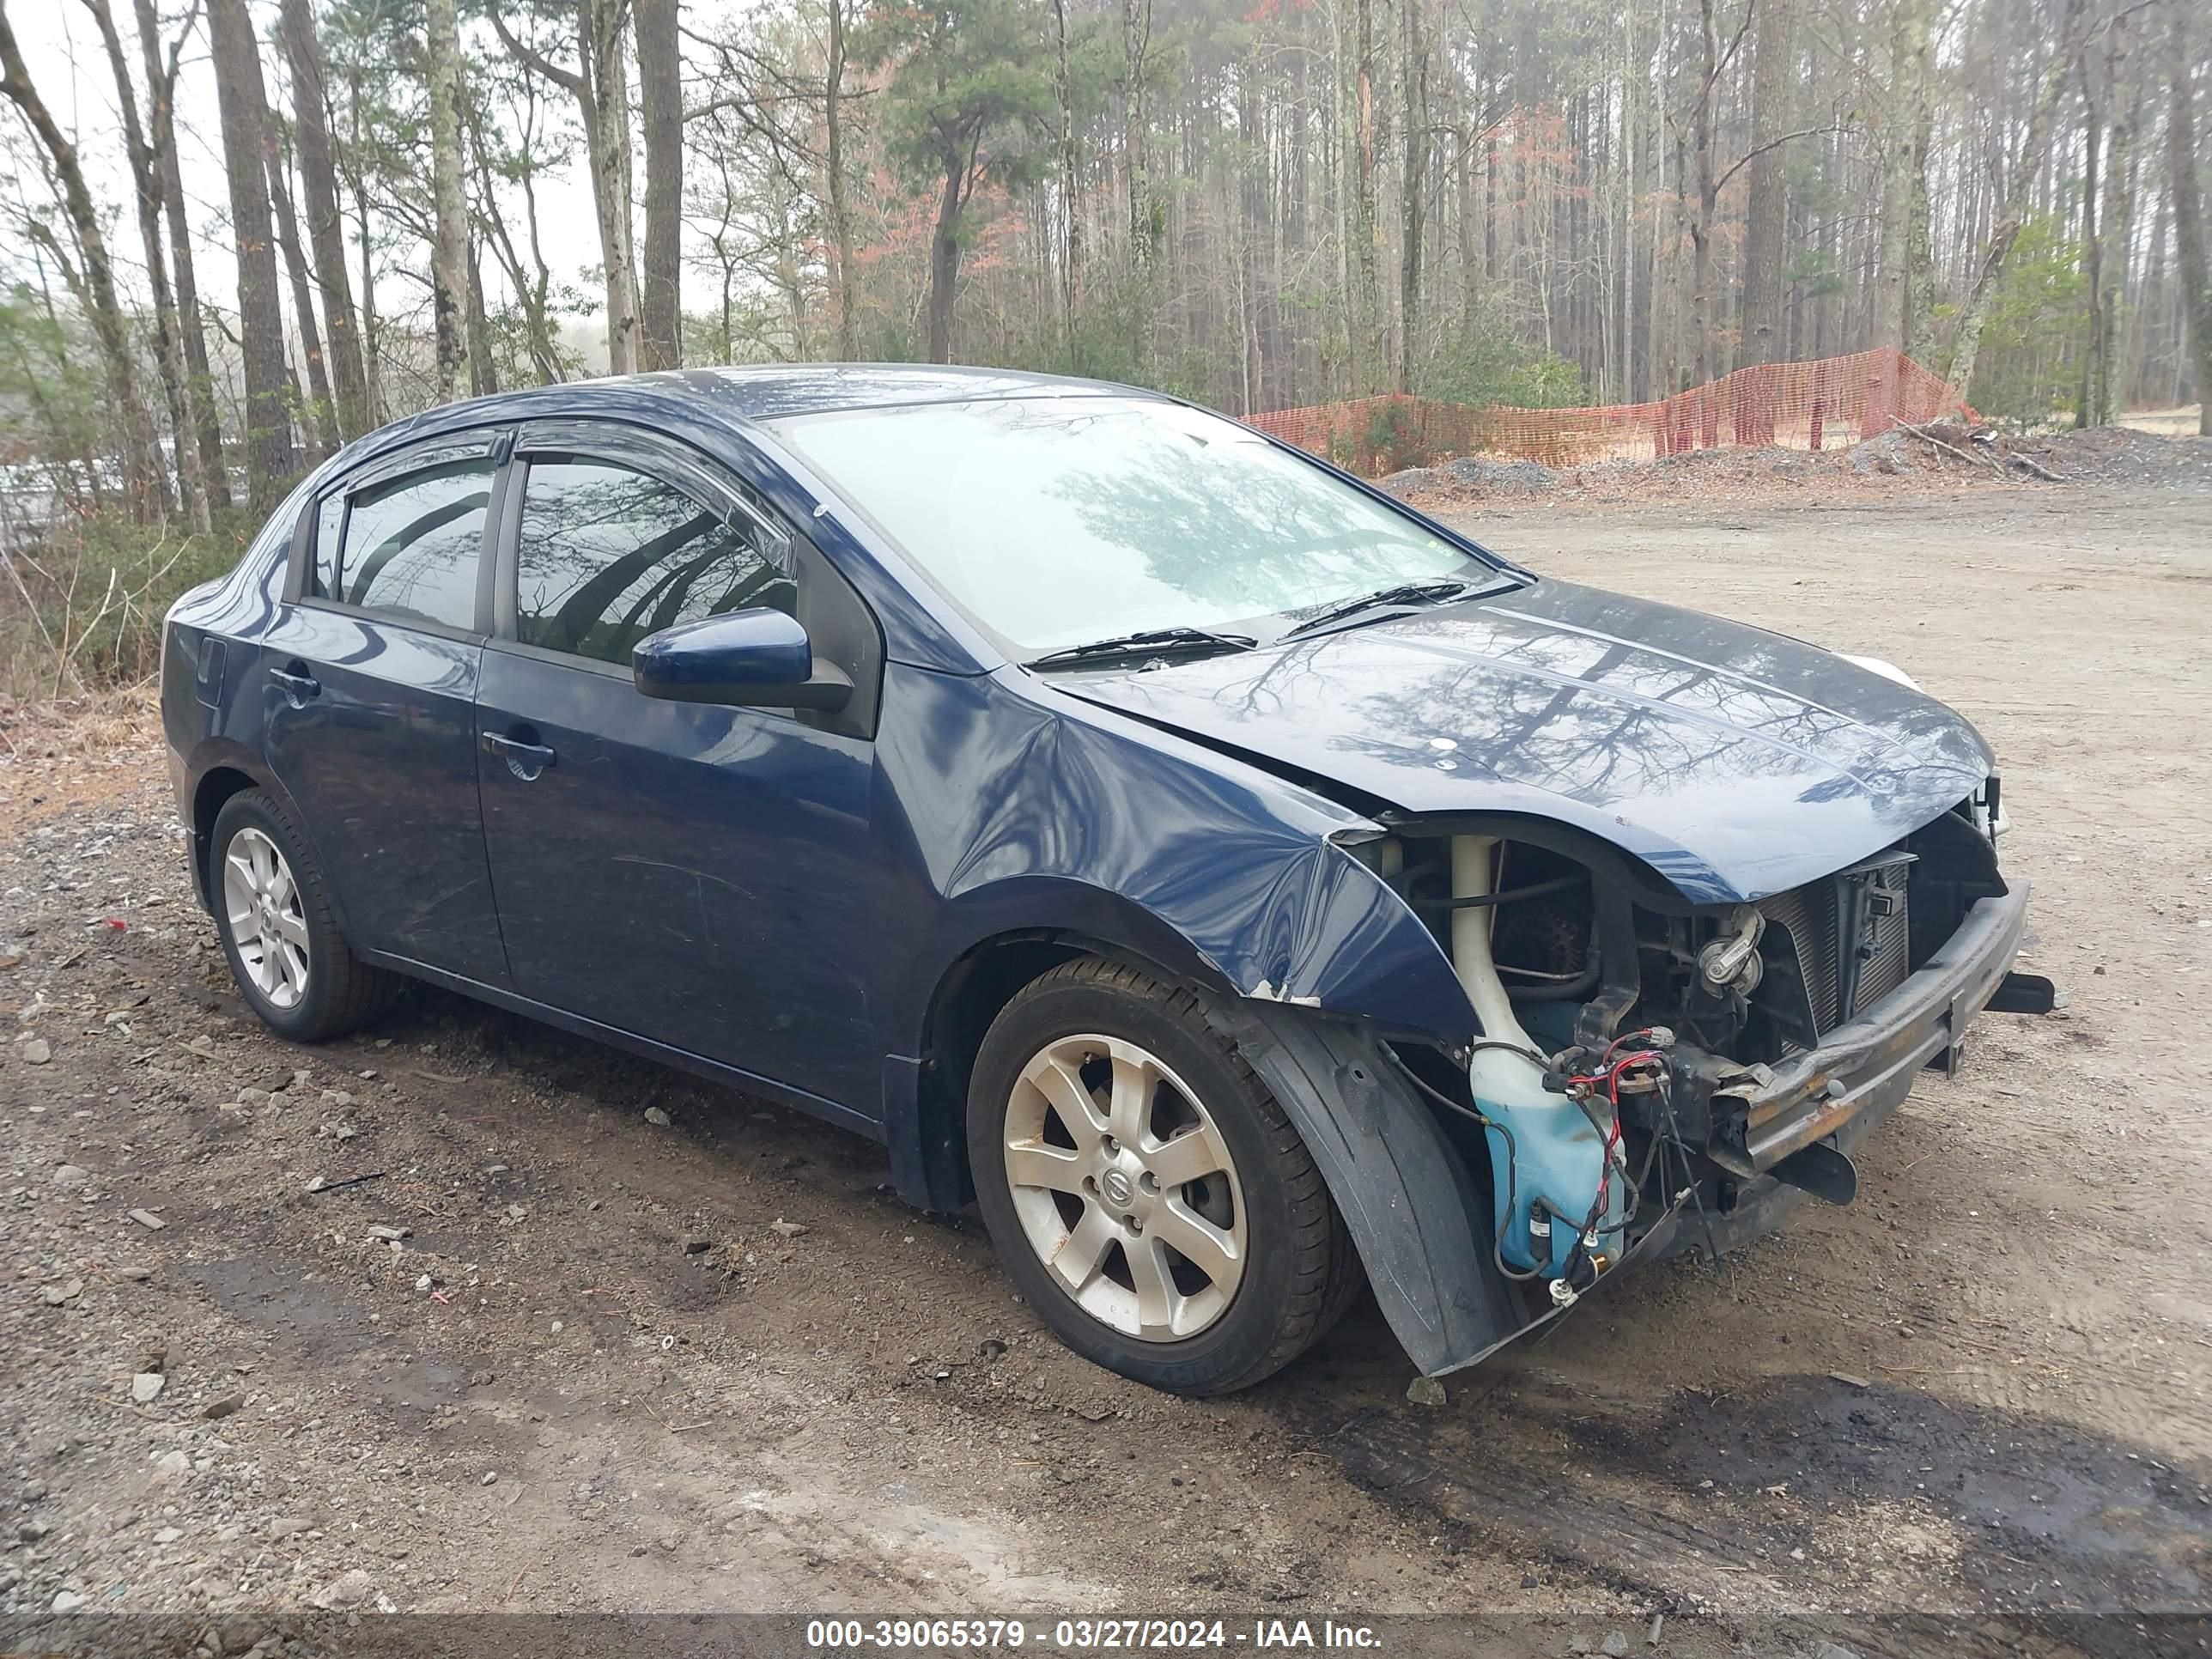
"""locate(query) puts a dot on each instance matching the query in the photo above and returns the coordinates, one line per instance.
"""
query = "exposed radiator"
(1862, 909)
(1807, 914)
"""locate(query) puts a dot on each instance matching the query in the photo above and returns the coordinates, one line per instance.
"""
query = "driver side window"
(609, 555)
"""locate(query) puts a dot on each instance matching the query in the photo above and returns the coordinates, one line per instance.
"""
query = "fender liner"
(1401, 1186)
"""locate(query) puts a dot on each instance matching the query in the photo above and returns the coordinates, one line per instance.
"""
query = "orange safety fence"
(1830, 403)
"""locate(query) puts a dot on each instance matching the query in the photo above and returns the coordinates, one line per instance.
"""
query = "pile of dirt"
(2122, 455)
(1950, 455)
(1474, 476)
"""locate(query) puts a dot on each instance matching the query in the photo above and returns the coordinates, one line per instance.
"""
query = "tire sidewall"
(253, 810)
(1236, 1341)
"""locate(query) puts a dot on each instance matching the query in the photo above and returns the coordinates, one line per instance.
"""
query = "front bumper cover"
(1865, 1067)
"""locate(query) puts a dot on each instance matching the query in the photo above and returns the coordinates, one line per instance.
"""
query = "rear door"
(699, 875)
(370, 672)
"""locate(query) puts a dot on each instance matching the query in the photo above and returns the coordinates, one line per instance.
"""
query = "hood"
(1736, 763)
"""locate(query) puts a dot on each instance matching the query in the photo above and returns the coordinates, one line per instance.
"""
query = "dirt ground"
(644, 1344)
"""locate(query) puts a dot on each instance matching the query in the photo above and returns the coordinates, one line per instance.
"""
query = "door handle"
(299, 684)
(524, 760)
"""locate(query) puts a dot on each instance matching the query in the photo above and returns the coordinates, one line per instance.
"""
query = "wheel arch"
(927, 1098)
(1407, 1196)
(222, 770)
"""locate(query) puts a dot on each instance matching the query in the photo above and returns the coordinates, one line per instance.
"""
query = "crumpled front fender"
(1070, 817)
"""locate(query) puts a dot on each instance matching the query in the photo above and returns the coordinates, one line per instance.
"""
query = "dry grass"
(59, 753)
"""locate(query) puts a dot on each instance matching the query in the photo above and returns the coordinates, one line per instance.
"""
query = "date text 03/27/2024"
(1085, 1635)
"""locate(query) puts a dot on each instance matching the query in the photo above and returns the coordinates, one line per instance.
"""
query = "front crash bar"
(1870, 1060)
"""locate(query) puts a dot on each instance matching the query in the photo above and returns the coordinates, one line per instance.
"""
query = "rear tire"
(1143, 1189)
(273, 913)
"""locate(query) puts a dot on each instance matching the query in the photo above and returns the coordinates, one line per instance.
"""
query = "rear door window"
(411, 547)
(609, 555)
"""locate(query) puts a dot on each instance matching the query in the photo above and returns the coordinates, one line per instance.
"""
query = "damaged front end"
(1653, 1074)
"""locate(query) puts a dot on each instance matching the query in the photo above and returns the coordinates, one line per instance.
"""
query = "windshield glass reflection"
(1057, 522)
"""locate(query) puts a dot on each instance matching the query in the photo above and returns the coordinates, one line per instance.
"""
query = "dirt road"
(647, 1345)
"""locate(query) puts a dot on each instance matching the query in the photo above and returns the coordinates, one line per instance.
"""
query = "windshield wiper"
(1404, 594)
(1152, 642)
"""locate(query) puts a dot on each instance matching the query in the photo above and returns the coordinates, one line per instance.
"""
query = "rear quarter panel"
(211, 661)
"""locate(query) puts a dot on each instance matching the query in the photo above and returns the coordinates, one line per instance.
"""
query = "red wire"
(1611, 1079)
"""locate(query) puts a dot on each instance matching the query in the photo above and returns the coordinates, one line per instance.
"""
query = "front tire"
(279, 933)
(1143, 1189)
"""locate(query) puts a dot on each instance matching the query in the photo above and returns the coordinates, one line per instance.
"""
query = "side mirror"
(756, 658)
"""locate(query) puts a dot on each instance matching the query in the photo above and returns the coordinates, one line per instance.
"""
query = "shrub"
(83, 596)
(1484, 363)
(1396, 437)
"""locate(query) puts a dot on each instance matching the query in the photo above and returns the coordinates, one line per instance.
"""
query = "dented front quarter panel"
(1026, 810)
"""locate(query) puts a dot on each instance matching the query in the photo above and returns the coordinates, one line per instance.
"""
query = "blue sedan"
(1239, 887)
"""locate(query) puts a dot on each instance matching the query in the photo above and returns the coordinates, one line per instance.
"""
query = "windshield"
(1061, 520)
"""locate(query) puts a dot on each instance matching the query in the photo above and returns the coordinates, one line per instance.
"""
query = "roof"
(773, 391)
(768, 391)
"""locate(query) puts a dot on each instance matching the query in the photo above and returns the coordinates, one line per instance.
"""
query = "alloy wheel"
(261, 901)
(1124, 1187)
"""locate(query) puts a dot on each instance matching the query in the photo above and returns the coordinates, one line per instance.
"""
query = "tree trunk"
(610, 65)
(146, 190)
(945, 261)
(1414, 191)
(2093, 259)
(200, 384)
(1136, 43)
(2005, 231)
(325, 232)
(1363, 295)
(322, 435)
(269, 461)
(371, 331)
(606, 118)
(449, 246)
(660, 100)
(483, 370)
(2126, 151)
(141, 455)
(1070, 206)
(2188, 214)
(1903, 275)
(1700, 207)
(840, 212)
(1766, 209)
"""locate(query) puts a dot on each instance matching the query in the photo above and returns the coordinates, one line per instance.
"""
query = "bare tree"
(325, 230)
(660, 108)
(242, 103)
(319, 425)
(836, 187)
(1903, 252)
(2034, 143)
(2189, 208)
(1071, 222)
(161, 67)
(1412, 189)
(148, 483)
(449, 246)
(600, 86)
(1773, 61)
(168, 347)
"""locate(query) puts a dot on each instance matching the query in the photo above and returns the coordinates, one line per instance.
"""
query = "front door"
(693, 874)
(369, 691)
